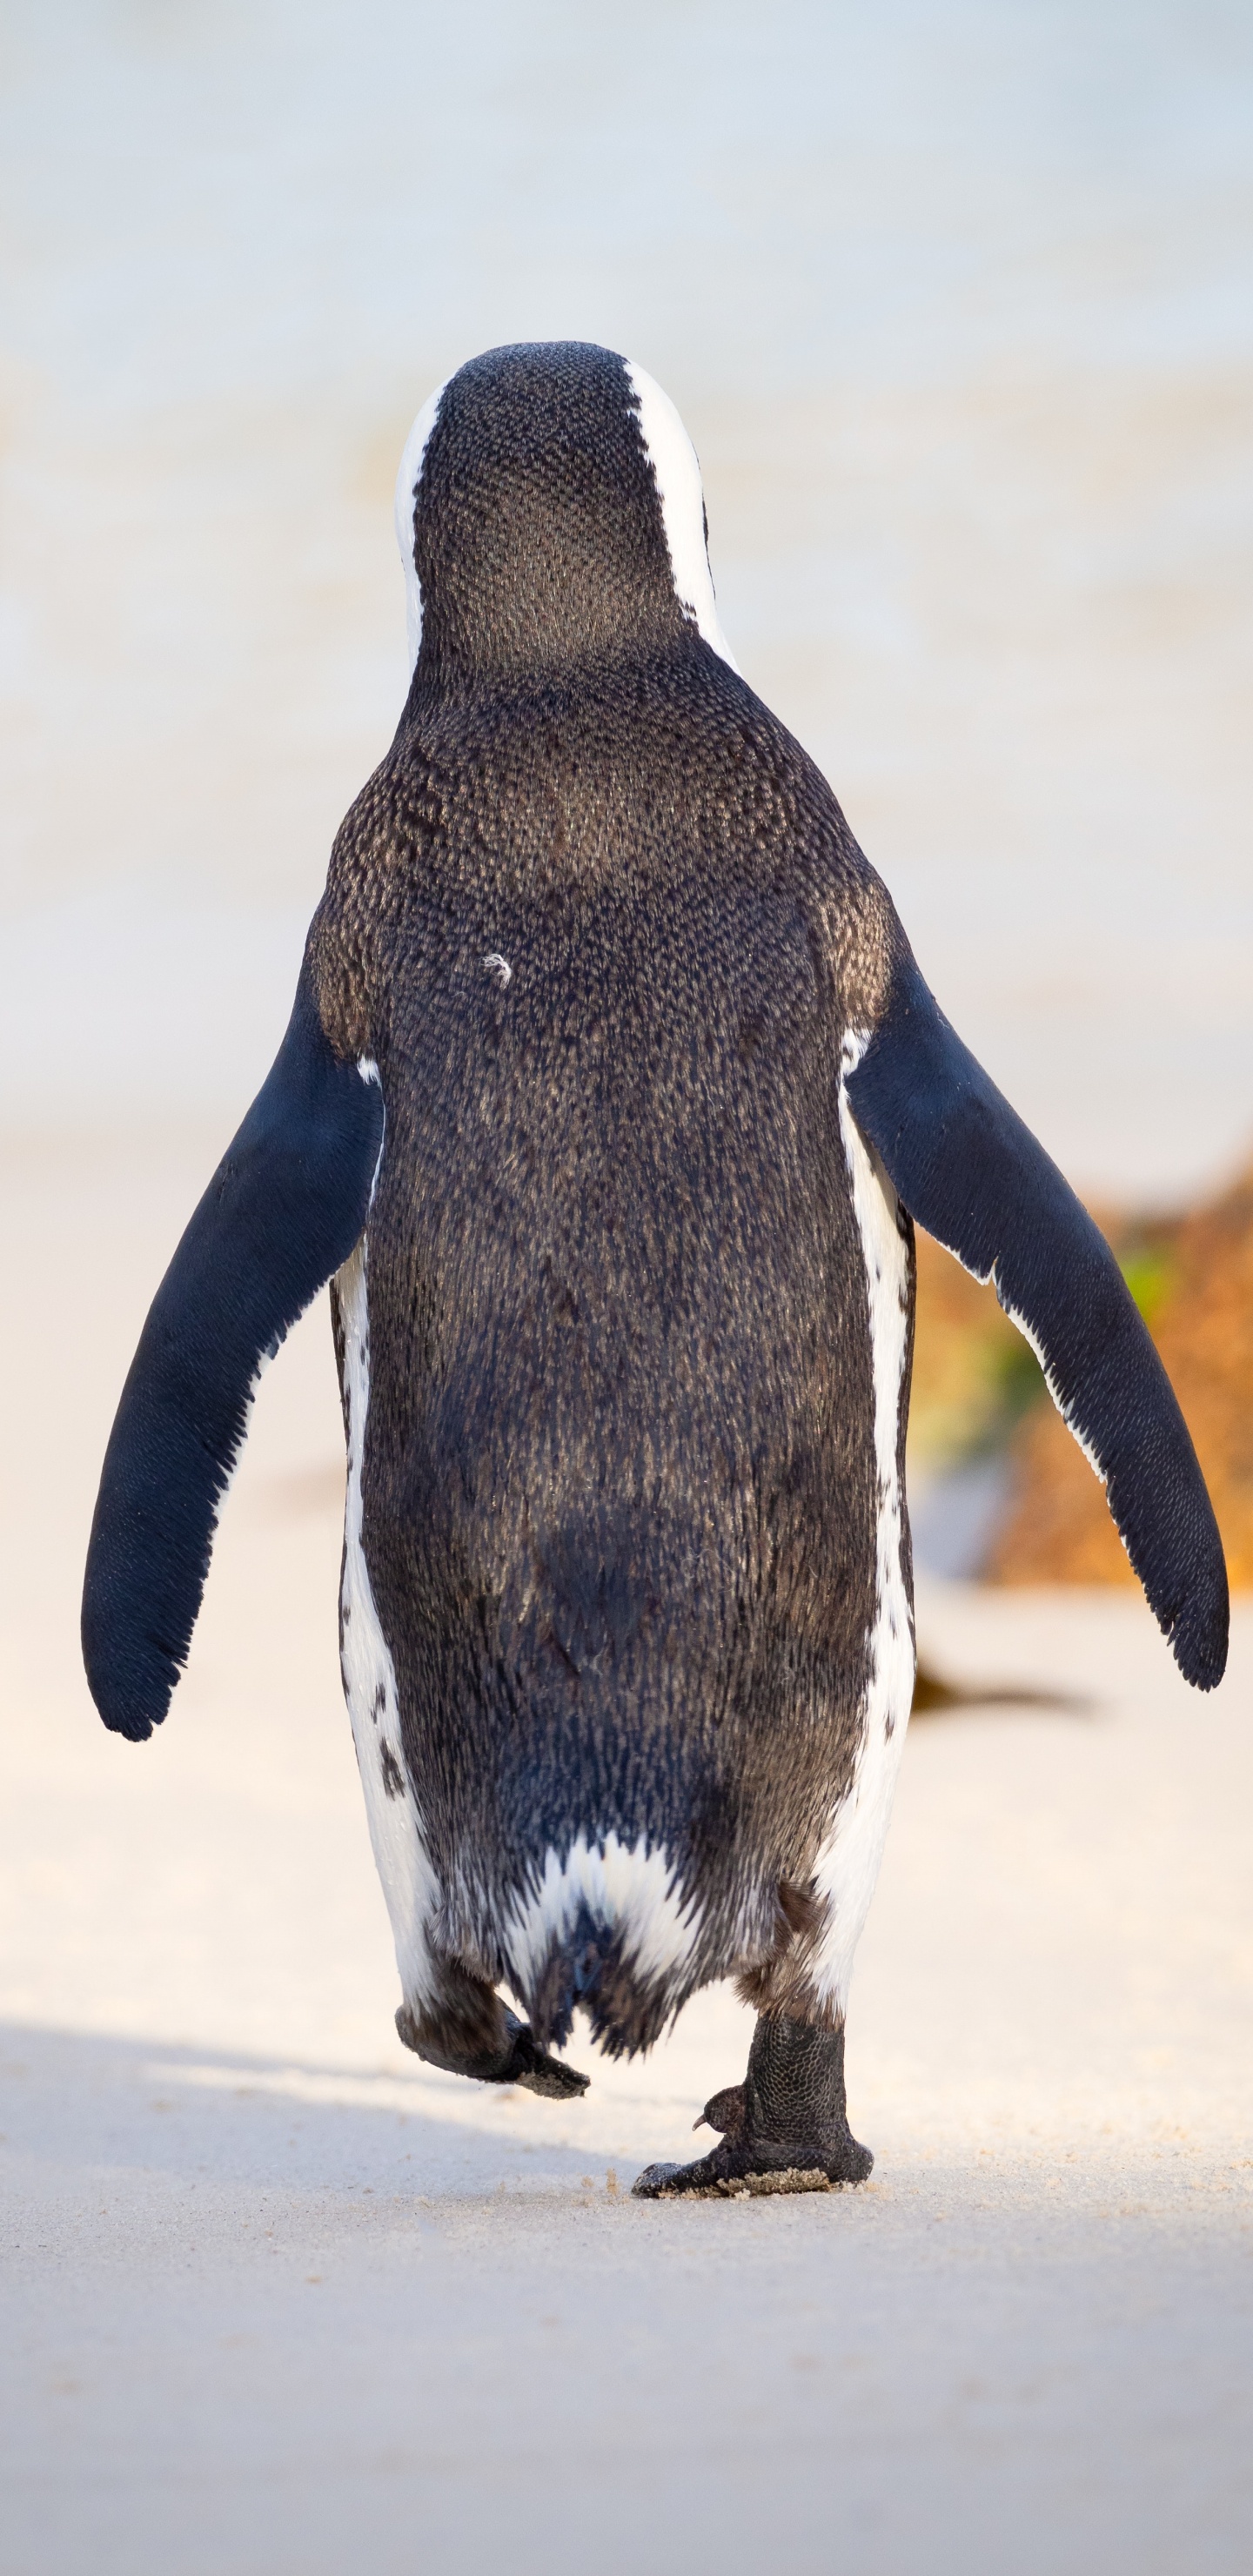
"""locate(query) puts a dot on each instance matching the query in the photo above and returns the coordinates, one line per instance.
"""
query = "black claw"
(531, 2065)
(651, 2184)
(520, 2060)
(724, 2111)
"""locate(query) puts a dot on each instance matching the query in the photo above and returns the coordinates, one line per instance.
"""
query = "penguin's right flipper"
(283, 1210)
(969, 1170)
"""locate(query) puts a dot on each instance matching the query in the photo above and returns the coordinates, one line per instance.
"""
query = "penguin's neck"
(543, 631)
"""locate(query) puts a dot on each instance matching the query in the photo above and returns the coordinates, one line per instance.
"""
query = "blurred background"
(956, 299)
(957, 302)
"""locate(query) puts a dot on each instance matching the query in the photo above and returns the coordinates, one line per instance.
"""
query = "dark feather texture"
(283, 1209)
(969, 1170)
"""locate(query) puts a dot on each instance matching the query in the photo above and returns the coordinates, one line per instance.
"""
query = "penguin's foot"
(785, 2128)
(533, 2066)
(706, 2180)
(518, 2059)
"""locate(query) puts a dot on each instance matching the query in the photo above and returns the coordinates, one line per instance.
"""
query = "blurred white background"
(956, 298)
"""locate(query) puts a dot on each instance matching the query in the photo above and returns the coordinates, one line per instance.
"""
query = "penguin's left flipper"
(283, 1210)
(969, 1170)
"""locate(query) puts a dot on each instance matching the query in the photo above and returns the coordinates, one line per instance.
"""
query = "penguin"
(611, 1096)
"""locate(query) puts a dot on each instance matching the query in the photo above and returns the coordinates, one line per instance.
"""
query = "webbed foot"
(785, 2128)
(518, 2060)
(533, 2066)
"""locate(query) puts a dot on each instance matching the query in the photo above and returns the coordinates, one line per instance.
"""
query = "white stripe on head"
(407, 482)
(676, 473)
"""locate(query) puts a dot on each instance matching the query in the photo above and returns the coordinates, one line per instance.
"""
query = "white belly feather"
(404, 1866)
(848, 1863)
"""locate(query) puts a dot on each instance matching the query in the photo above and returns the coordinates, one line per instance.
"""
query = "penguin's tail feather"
(587, 1965)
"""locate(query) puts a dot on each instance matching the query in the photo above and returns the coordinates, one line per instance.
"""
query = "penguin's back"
(619, 1501)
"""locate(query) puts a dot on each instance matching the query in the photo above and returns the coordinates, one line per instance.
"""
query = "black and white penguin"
(610, 1097)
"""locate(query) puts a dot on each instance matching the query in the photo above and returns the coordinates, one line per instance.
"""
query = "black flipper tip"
(134, 1724)
(1198, 1642)
(132, 1691)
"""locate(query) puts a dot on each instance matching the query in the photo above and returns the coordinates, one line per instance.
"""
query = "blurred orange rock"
(1200, 1311)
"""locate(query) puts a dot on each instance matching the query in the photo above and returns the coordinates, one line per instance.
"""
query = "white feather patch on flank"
(676, 473)
(627, 1889)
(409, 1882)
(848, 1864)
(407, 482)
(369, 1072)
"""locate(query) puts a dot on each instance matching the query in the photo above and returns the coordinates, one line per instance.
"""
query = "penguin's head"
(549, 509)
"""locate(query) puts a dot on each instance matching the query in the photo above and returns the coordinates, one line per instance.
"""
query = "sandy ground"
(277, 2299)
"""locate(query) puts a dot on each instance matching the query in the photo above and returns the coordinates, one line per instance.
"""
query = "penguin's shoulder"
(631, 779)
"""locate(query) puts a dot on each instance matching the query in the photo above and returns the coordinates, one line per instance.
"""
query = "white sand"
(279, 2299)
